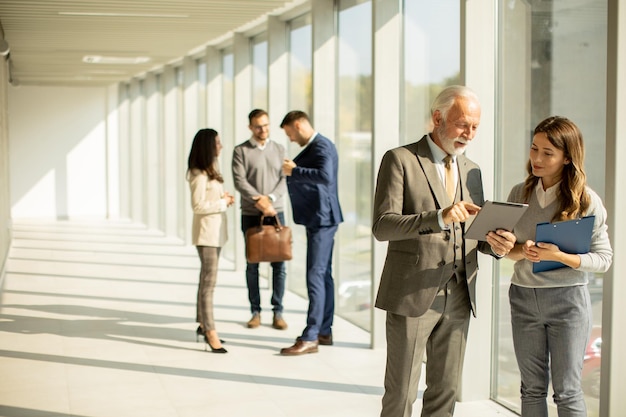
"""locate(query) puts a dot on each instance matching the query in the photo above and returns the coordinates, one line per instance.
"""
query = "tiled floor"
(96, 321)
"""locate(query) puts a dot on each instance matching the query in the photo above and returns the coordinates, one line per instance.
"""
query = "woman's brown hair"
(203, 154)
(563, 134)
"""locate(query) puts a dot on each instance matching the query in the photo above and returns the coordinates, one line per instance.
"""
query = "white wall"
(5, 220)
(58, 152)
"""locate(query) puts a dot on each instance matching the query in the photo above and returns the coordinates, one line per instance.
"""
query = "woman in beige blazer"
(209, 202)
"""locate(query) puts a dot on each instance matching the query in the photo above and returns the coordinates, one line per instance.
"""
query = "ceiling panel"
(49, 39)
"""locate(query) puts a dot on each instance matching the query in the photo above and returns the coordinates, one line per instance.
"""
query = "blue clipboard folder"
(571, 236)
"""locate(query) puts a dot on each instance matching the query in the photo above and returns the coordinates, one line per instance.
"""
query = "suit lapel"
(425, 159)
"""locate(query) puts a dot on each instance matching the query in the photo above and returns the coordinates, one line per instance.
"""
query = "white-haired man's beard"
(448, 143)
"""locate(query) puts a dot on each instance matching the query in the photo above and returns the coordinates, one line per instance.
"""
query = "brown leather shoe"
(255, 321)
(300, 348)
(278, 322)
(325, 339)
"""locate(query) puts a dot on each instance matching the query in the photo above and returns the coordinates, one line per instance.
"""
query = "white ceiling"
(48, 39)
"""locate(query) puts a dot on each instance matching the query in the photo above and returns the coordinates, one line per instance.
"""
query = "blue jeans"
(551, 327)
(252, 271)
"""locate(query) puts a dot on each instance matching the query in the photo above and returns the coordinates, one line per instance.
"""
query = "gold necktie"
(450, 184)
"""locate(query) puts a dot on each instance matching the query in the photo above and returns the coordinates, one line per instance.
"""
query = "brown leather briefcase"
(268, 243)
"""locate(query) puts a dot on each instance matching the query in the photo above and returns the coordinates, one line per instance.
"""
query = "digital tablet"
(495, 215)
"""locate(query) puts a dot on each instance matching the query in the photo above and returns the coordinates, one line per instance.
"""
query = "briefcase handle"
(277, 224)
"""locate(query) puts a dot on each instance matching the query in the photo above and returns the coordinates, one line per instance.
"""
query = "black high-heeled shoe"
(213, 350)
(200, 333)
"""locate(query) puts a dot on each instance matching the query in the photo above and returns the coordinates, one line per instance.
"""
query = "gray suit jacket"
(421, 256)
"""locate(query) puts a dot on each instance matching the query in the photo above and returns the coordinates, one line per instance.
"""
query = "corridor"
(97, 320)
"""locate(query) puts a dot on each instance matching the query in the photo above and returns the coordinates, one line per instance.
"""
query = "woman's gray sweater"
(598, 259)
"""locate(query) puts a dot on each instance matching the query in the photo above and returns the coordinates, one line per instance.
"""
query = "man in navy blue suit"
(312, 185)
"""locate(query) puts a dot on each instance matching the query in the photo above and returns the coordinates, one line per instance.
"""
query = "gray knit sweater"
(259, 172)
(598, 259)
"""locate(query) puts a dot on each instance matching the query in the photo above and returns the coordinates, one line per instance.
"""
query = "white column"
(243, 86)
(214, 89)
(190, 125)
(153, 134)
(113, 151)
(278, 74)
(191, 98)
(478, 57)
(242, 107)
(5, 195)
(172, 171)
(612, 398)
(124, 151)
(137, 150)
(201, 62)
(324, 66)
(388, 59)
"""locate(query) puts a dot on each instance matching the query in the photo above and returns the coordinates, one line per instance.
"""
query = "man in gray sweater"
(258, 176)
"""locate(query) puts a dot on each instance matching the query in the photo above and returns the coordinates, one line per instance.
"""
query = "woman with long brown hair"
(551, 310)
(209, 202)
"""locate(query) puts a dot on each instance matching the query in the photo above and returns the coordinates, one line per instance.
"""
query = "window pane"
(432, 58)
(552, 61)
(353, 275)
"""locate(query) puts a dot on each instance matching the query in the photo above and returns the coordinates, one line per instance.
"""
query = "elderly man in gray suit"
(424, 194)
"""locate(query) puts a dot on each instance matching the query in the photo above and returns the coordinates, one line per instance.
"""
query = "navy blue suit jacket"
(313, 185)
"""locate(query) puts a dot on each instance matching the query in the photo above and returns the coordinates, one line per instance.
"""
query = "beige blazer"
(421, 256)
(209, 210)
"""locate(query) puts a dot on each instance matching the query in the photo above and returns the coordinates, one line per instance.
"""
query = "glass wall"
(300, 98)
(432, 59)
(259, 71)
(552, 61)
(353, 274)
